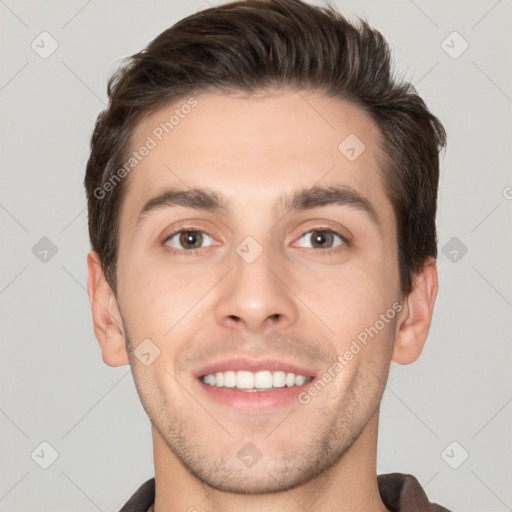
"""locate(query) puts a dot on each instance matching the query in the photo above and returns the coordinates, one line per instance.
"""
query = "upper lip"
(250, 364)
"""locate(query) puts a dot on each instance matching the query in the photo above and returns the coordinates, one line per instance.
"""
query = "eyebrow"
(205, 199)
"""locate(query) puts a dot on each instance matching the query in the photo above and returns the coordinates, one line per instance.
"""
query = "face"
(281, 256)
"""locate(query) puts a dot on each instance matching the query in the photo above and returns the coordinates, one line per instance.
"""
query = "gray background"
(54, 385)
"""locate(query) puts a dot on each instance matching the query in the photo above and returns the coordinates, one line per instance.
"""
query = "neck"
(349, 485)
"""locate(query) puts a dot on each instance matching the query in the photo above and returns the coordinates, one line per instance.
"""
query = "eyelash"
(193, 252)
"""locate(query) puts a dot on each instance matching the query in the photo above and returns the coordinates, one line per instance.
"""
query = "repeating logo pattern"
(63, 414)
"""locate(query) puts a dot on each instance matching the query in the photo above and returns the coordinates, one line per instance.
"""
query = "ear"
(415, 318)
(108, 325)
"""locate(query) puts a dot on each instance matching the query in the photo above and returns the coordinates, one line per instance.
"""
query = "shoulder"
(401, 492)
(143, 498)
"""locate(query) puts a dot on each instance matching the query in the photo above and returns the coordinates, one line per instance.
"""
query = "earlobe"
(414, 322)
(108, 325)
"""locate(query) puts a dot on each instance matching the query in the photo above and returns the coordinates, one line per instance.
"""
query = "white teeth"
(279, 379)
(263, 380)
(244, 380)
(229, 379)
(257, 381)
(300, 379)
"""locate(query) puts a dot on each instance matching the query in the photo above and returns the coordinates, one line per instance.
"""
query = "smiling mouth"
(264, 380)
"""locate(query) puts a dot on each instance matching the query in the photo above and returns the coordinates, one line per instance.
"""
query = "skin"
(298, 302)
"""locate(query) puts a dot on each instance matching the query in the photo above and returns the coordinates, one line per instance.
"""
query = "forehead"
(255, 148)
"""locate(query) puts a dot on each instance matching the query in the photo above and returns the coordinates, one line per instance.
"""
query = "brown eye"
(191, 239)
(188, 239)
(322, 239)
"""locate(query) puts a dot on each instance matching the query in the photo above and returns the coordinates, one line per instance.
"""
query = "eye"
(189, 240)
(323, 239)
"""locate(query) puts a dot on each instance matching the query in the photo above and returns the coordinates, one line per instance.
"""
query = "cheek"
(157, 296)
(349, 297)
(157, 390)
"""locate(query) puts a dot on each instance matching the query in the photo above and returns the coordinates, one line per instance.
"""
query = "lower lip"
(256, 401)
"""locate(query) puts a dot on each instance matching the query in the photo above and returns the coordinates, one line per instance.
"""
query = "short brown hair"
(255, 45)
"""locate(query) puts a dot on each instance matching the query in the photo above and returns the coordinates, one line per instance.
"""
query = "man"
(262, 197)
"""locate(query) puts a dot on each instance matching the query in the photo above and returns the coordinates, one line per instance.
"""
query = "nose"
(257, 296)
